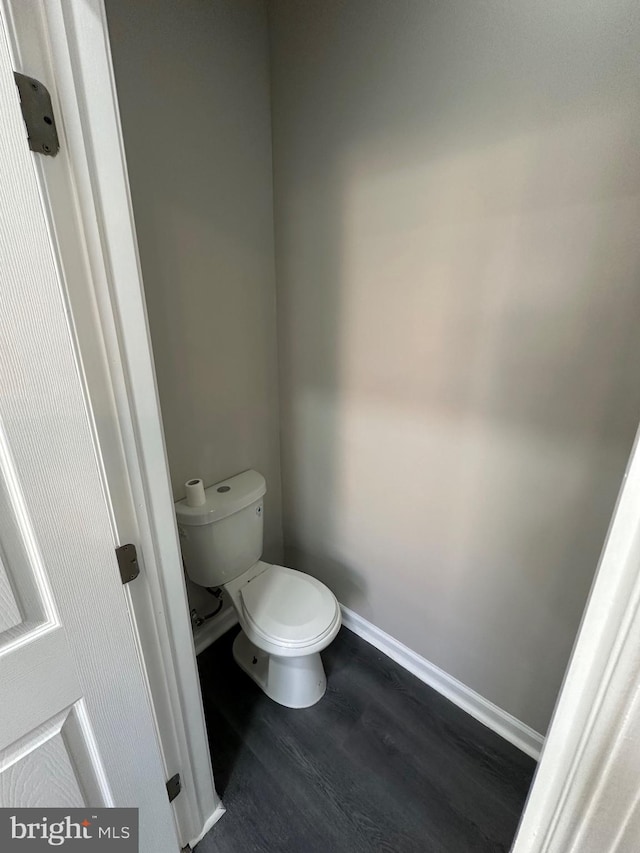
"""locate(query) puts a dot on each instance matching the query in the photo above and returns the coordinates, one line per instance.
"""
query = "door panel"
(10, 616)
(76, 726)
(25, 600)
(51, 766)
(33, 647)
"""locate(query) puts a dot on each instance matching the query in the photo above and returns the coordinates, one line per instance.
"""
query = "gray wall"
(193, 87)
(458, 265)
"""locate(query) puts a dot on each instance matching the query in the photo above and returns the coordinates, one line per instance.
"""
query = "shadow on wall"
(203, 202)
(457, 209)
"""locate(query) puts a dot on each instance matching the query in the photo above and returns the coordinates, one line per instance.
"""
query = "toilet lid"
(289, 606)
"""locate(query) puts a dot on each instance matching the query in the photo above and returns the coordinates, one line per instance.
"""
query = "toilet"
(287, 617)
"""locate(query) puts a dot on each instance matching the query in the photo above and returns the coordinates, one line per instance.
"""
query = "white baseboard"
(499, 721)
(209, 822)
(213, 629)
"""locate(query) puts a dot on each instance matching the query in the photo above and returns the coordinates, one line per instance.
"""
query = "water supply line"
(198, 619)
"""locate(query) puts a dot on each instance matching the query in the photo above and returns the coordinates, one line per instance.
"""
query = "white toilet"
(287, 617)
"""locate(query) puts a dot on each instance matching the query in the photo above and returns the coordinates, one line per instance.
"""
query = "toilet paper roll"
(195, 492)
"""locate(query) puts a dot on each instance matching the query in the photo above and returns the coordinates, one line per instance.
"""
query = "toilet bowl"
(287, 617)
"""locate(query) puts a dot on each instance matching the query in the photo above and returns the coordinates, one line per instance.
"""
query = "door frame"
(65, 44)
(584, 797)
(596, 704)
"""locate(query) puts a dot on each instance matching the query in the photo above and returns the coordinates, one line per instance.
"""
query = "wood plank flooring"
(381, 763)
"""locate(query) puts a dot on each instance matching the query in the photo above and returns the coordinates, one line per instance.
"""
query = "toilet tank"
(222, 538)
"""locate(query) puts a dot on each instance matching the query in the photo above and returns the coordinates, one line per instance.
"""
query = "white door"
(76, 726)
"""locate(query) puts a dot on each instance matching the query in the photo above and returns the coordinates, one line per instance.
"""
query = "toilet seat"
(288, 608)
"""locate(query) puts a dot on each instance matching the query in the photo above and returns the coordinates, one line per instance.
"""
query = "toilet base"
(295, 682)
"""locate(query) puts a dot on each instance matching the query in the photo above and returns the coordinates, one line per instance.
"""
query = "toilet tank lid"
(223, 499)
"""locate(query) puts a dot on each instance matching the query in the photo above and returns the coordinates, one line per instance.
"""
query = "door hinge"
(128, 563)
(37, 113)
(174, 786)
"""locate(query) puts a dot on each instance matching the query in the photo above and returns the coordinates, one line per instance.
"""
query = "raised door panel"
(26, 604)
(34, 652)
(52, 766)
(10, 616)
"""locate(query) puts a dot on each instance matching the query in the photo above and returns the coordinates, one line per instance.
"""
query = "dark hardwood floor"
(381, 763)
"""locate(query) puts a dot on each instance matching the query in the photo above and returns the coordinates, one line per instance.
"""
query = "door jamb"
(584, 796)
(113, 346)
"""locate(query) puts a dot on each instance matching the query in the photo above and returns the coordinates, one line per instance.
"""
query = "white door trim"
(585, 793)
(596, 706)
(76, 726)
(115, 350)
